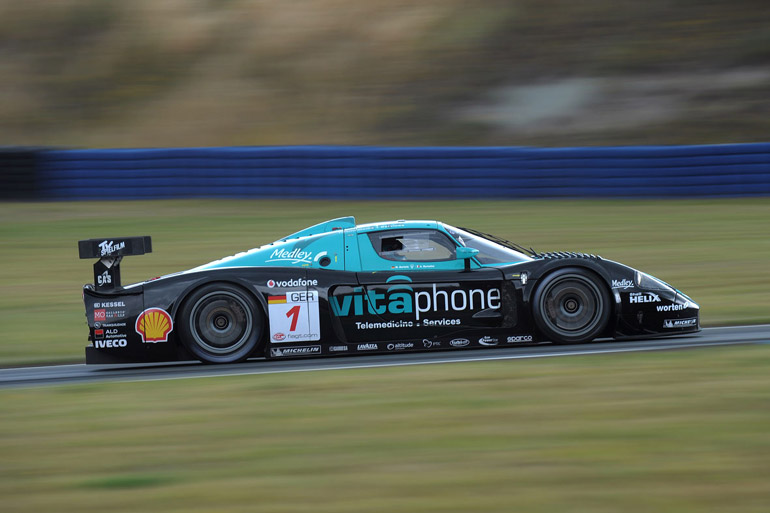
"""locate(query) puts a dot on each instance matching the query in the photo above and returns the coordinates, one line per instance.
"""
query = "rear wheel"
(221, 323)
(571, 306)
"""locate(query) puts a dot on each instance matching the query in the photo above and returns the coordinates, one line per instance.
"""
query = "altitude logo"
(401, 298)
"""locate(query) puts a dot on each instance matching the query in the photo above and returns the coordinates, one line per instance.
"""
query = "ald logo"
(401, 298)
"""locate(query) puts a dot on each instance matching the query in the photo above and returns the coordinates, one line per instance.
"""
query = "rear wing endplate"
(110, 251)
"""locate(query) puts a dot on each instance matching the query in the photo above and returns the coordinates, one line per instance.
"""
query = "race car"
(339, 288)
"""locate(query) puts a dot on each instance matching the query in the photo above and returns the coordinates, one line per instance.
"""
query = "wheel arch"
(591, 265)
(248, 287)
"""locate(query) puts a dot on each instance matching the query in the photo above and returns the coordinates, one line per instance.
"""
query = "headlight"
(645, 281)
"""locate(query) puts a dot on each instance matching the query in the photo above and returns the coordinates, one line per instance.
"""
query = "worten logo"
(402, 299)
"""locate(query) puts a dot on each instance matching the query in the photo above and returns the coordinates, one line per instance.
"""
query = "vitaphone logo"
(402, 299)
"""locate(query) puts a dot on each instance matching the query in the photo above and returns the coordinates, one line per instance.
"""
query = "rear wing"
(110, 251)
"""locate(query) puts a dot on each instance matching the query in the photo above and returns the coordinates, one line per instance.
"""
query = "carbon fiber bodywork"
(380, 312)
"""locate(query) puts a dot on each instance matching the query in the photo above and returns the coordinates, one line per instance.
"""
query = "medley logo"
(403, 299)
(295, 256)
(622, 284)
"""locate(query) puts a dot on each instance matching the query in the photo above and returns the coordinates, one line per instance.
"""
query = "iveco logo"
(459, 342)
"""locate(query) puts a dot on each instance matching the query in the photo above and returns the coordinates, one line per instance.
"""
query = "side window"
(413, 245)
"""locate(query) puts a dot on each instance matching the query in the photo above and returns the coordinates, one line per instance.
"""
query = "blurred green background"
(103, 73)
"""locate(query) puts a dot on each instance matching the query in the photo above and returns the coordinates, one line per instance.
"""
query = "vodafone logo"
(298, 282)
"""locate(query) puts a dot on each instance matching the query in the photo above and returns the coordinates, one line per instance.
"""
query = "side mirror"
(466, 254)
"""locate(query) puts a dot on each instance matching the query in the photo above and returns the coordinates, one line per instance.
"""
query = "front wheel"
(221, 323)
(571, 306)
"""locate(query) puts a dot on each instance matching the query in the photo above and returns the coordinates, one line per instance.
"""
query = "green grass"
(682, 431)
(717, 251)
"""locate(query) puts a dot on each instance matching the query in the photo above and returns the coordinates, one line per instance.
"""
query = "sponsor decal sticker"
(295, 256)
(643, 297)
(107, 248)
(298, 282)
(294, 316)
(154, 325)
(337, 349)
(98, 333)
(671, 308)
(680, 323)
(104, 278)
(519, 339)
(622, 284)
(488, 341)
(459, 342)
(401, 298)
(295, 351)
(399, 346)
(100, 314)
(110, 304)
(110, 343)
(367, 347)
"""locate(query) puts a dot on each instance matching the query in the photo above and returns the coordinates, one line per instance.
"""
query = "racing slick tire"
(221, 323)
(571, 305)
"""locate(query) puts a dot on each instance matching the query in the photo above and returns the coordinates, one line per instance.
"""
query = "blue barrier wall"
(374, 172)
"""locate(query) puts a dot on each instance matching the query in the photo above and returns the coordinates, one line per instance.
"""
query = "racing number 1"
(294, 317)
(294, 314)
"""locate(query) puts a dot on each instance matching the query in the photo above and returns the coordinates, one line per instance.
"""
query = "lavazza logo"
(298, 282)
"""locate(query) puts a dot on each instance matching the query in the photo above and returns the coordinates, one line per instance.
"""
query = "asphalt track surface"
(22, 377)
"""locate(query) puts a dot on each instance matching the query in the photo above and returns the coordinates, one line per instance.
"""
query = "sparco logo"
(646, 297)
(299, 282)
(459, 342)
(294, 351)
(367, 347)
(519, 339)
(622, 284)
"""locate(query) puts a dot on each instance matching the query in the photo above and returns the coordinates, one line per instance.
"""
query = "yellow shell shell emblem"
(154, 325)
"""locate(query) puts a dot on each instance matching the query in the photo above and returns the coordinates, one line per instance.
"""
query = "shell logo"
(154, 325)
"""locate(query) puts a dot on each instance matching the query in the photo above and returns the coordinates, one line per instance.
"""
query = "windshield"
(490, 252)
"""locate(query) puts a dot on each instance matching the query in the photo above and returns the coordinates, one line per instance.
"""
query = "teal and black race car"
(338, 288)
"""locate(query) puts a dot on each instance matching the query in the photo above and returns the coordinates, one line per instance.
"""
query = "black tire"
(571, 306)
(221, 323)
